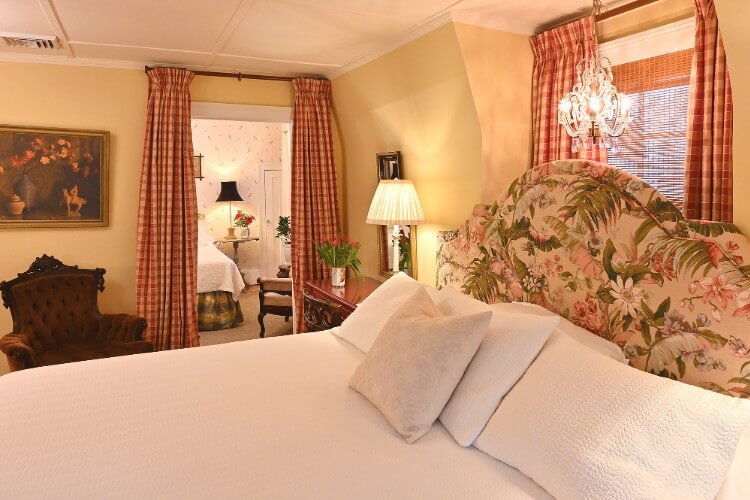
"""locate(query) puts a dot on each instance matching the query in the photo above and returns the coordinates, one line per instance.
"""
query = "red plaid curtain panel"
(315, 207)
(708, 164)
(557, 52)
(166, 278)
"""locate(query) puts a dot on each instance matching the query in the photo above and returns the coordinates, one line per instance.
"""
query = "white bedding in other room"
(269, 418)
(217, 272)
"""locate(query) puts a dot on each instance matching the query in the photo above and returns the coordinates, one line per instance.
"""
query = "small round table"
(236, 245)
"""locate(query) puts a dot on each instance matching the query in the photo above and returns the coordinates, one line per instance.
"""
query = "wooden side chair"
(275, 297)
(56, 318)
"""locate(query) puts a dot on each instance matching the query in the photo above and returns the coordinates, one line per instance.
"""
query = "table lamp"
(229, 193)
(395, 203)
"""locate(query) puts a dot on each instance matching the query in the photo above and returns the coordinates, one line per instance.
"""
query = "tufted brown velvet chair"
(56, 318)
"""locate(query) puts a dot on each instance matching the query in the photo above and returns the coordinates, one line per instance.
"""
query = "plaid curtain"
(557, 52)
(708, 164)
(315, 207)
(166, 280)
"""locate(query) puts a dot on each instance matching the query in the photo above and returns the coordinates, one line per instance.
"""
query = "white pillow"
(582, 425)
(736, 484)
(510, 346)
(366, 322)
(204, 237)
(416, 363)
(585, 337)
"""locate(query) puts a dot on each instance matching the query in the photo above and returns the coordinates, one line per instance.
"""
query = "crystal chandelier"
(594, 113)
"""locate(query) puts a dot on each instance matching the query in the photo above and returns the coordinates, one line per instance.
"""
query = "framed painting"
(389, 165)
(53, 177)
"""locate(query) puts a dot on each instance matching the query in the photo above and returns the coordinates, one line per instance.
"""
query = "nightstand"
(236, 245)
(327, 306)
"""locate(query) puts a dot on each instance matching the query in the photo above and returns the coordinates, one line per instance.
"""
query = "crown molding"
(399, 41)
(71, 61)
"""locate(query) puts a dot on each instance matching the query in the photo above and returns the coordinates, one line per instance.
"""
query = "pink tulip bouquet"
(340, 253)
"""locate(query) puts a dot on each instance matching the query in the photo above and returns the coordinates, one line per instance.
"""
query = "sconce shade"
(229, 192)
(395, 202)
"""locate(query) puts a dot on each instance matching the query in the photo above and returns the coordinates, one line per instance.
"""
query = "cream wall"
(499, 66)
(232, 151)
(109, 99)
(733, 15)
(416, 99)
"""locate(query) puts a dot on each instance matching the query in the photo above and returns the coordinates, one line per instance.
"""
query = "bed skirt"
(217, 311)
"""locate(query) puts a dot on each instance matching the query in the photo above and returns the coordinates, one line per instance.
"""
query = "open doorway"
(245, 175)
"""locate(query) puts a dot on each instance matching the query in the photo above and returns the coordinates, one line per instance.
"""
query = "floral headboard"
(607, 251)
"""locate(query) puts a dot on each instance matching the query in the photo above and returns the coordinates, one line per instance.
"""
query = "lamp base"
(230, 234)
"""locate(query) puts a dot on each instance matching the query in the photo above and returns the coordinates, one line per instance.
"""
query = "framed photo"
(389, 165)
(53, 177)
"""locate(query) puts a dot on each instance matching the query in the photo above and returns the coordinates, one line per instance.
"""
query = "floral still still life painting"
(53, 177)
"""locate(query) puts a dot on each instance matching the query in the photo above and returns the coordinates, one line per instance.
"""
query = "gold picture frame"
(53, 177)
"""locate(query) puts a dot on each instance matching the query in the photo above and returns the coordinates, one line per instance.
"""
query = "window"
(653, 146)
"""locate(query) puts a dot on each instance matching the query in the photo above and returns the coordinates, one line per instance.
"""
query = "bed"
(274, 418)
(219, 285)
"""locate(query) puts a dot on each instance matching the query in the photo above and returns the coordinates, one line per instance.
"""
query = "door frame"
(262, 169)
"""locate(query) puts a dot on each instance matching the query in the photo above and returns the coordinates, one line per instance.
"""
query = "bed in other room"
(219, 285)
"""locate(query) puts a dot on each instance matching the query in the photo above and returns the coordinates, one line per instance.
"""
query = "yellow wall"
(109, 99)
(733, 25)
(499, 65)
(415, 99)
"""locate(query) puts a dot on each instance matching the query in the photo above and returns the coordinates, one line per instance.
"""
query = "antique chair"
(56, 318)
(275, 296)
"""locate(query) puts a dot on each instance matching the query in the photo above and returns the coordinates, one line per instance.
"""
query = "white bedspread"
(269, 418)
(217, 272)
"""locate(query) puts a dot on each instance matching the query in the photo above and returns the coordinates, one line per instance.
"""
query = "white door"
(271, 206)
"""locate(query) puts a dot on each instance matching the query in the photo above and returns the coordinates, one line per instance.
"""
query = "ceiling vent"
(21, 41)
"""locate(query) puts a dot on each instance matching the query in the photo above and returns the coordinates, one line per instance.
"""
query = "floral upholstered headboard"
(607, 251)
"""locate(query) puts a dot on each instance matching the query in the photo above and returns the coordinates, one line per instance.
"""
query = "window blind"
(653, 146)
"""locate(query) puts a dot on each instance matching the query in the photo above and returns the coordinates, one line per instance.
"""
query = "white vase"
(286, 248)
(338, 276)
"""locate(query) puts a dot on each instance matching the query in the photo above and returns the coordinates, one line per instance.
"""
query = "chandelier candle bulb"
(594, 109)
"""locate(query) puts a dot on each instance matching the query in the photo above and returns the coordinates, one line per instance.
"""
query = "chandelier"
(594, 113)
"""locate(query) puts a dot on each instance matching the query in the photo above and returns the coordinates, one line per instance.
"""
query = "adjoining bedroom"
(440, 249)
(243, 193)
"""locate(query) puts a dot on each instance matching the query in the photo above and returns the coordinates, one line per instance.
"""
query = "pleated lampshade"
(395, 202)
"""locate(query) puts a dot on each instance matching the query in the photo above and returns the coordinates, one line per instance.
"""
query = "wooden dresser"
(327, 306)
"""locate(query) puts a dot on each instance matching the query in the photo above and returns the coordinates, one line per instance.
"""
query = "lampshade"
(229, 192)
(395, 202)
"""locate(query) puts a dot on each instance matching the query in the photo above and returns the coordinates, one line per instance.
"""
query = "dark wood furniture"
(275, 297)
(327, 306)
(56, 318)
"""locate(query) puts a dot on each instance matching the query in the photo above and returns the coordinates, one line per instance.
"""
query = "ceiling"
(285, 37)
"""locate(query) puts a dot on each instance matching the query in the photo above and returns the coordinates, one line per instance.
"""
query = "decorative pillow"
(366, 322)
(582, 425)
(450, 299)
(416, 363)
(510, 346)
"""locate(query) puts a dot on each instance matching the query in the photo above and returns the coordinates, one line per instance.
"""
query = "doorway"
(271, 203)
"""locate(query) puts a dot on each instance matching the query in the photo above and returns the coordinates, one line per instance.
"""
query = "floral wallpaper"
(604, 249)
(232, 151)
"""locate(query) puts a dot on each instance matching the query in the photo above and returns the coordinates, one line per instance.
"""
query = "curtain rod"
(238, 76)
(637, 4)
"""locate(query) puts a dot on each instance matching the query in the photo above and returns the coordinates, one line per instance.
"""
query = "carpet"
(250, 329)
